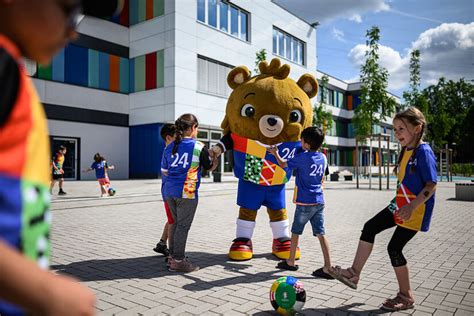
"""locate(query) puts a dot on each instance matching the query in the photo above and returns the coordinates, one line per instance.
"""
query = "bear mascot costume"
(264, 110)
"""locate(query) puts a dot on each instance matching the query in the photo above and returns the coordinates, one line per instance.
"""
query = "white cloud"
(446, 50)
(326, 10)
(338, 34)
(356, 18)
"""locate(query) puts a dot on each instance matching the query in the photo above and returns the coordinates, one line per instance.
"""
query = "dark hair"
(314, 136)
(62, 147)
(98, 158)
(168, 129)
(415, 117)
(183, 123)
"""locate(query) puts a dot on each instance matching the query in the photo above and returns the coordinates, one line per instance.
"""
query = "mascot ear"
(225, 125)
(237, 76)
(308, 84)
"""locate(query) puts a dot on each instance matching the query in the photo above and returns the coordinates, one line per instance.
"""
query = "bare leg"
(102, 190)
(325, 249)
(61, 180)
(52, 186)
(403, 277)
(294, 245)
(363, 253)
(164, 235)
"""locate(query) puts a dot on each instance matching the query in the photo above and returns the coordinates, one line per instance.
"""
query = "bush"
(464, 169)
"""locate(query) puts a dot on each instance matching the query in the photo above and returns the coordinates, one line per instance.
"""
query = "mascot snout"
(271, 125)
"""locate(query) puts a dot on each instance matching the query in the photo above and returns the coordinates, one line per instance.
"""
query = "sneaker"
(61, 192)
(162, 248)
(182, 266)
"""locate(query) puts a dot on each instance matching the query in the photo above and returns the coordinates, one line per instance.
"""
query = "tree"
(375, 105)
(260, 56)
(322, 117)
(414, 97)
(450, 112)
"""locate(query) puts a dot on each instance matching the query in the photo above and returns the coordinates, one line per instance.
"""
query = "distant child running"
(100, 166)
(182, 163)
(310, 166)
(410, 211)
(168, 134)
(57, 163)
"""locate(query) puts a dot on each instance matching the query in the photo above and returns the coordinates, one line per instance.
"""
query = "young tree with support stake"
(375, 105)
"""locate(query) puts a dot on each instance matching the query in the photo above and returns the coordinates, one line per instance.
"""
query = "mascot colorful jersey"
(264, 110)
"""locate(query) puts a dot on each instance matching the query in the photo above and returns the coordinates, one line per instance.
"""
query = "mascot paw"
(241, 249)
(281, 248)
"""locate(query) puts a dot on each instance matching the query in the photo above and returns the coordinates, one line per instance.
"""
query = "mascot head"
(269, 107)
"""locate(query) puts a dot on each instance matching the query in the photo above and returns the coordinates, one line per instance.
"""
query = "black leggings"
(400, 238)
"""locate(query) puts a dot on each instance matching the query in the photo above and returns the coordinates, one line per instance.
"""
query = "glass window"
(212, 12)
(224, 20)
(281, 46)
(234, 21)
(212, 77)
(203, 135)
(330, 96)
(275, 41)
(215, 135)
(294, 45)
(202, 10)
(300, 53)
(288, 46)
(243, 26)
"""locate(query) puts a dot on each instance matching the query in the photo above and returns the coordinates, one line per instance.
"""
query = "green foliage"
(321, 116)
(462, 169)
(414, 97)
(451, 116)
(375, 105)
(260, 56)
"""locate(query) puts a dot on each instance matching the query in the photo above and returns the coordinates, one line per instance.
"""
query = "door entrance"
(71, 160)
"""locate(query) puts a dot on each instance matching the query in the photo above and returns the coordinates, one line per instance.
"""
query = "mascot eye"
(247, 110)
(295, 116)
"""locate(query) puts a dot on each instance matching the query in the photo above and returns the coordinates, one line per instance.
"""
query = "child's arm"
(87, 170)
(405, 211)
(206, 159)
(274, 151)
(24, 284)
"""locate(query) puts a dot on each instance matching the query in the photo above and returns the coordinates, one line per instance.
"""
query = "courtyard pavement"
(107, 243)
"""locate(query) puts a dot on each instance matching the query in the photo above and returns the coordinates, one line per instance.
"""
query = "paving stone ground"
(107, 243)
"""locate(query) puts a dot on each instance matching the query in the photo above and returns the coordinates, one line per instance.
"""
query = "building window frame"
(228, 29)
(281, 40)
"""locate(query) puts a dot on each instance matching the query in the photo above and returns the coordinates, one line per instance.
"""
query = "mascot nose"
(271, 121)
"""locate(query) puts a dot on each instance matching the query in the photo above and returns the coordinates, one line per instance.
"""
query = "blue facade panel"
(146, 149)
(76, 65)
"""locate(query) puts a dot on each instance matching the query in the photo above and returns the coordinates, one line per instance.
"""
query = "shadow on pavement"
(154, 266)
(331, 311)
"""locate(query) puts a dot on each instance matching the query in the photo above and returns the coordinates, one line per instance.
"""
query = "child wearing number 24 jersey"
(181, 164)
(310, 166)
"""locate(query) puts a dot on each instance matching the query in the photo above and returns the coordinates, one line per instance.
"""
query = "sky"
(443, 31)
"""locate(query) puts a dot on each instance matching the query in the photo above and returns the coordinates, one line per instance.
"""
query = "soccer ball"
(111, 191)
(287, 295)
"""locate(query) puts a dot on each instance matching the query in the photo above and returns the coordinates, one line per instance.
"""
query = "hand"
(215, 163)
(61, 171)
(215, 152)
(405, 212)
(68, 297)
(273, 150)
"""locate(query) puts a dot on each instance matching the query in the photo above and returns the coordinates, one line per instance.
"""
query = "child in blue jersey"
(168, 134)
(310, 166)
(100, 166)
(181, 164)
(410, 211)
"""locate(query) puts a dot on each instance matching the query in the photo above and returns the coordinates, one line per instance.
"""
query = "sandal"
(319, 273)
(398, 303)
(285, 266)
(338, 274)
